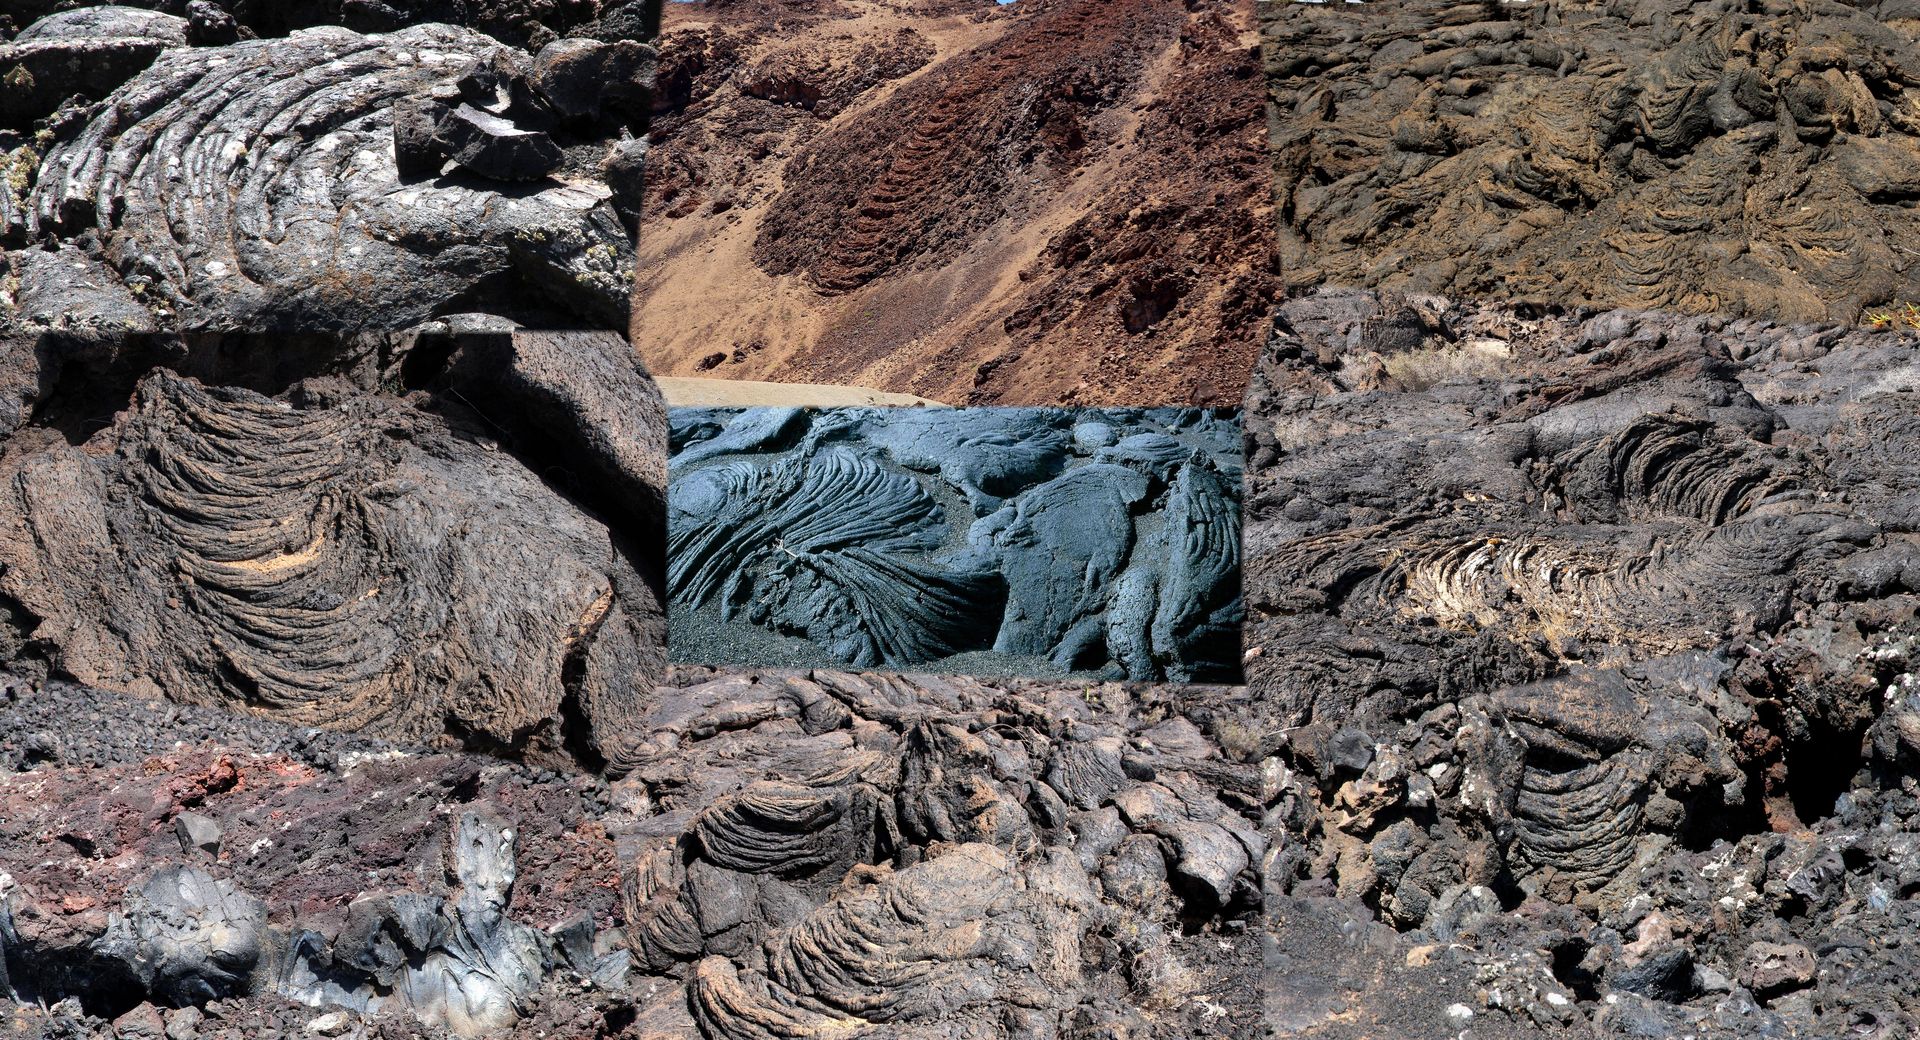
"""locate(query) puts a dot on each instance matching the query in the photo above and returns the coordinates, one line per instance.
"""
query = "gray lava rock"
(197, 832)
(1664, 975)
(418, 149)
(209, 24)
(188, 938)
(624, 170)
(835, 526)
(225, 231)
(492, 146)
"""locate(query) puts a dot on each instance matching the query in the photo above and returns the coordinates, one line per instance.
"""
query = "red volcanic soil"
(1048, 202)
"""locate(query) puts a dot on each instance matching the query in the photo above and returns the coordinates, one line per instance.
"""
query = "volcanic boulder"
(260, 185)
(330, 555)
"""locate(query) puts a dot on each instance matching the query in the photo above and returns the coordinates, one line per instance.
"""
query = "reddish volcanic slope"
(1052, 201)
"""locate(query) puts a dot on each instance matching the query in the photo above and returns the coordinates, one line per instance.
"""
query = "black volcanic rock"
(581, 77)
(1097, 541)
(1585, 638)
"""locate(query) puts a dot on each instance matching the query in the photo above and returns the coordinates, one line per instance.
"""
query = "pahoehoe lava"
(324, 180)
(1103, 541)
(1728, 157)
(310, 547)
(790, 854)
(1587, 639)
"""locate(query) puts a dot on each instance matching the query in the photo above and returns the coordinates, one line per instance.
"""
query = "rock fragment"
(142, 1023)
(579, 78)
(209, 24)
(427, 133)
(1774, 968)
(197, 832)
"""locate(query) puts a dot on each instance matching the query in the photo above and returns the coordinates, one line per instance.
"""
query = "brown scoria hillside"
(1052, 201)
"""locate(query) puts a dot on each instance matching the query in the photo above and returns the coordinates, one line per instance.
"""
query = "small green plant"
(1903, 315)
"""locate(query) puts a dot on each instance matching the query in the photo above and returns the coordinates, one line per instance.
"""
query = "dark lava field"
(1449, 570)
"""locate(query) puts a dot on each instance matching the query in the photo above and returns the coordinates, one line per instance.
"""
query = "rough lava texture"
(1104, 541)
(324, 180)
(1048, 202)
(1584, 643)
(791, 854)
(401, 894)
(1728, 157)
(528, 24)
(426, 537)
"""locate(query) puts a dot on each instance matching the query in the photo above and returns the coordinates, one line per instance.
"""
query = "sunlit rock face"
(360, 550)
(1749, 159)
(327, 179)
(1550, 612)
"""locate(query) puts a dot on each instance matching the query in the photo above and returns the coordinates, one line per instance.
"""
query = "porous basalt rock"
(323, 180)
(837, 852)
(1575, 632)
(332, 555)
(824, 850)
(1708, 158)
(1114, 550)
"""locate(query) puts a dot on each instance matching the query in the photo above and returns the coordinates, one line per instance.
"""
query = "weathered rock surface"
(356, 876)
(1031, 204)
(1103, 541)
(790, 851)
(329, 553)
(1585, 642)
(1745, 158)
(87, 52)
(528, 24)
(324, 180)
